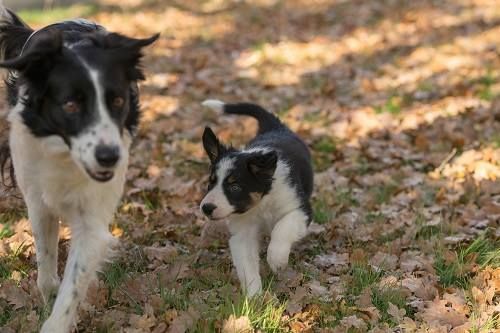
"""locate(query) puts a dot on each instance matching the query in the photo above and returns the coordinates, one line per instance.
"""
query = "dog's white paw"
(48, 286)
(277, 257)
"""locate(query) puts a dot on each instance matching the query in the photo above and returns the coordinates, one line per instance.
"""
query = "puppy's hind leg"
(291, 228)
(45, 228)
(90, 245)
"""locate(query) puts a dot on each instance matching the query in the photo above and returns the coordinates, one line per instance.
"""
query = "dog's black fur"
(253, 171)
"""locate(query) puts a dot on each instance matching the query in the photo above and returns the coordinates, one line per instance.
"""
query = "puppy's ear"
(39, 57)
(212, 145)
(128, 51)
(263, 164)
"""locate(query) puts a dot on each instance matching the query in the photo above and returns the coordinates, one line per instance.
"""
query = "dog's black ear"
(212, 145)
(263, 164)
(39, 57)
(128, 51)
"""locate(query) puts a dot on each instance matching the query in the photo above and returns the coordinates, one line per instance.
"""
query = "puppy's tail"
(13, 33)
(267, 121)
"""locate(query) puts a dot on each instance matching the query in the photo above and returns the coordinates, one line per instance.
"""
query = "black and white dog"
(74, 107)
(264, 187)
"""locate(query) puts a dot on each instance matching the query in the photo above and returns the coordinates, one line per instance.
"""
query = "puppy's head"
(80, 91)
(238, 179)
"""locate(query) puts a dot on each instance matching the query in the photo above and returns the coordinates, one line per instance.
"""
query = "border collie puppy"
(73, 103)
(264, 187)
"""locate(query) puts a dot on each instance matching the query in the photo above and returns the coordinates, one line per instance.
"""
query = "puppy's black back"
(273, 134)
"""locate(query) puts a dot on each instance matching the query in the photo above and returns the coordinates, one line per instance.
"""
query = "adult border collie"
(264, 187)
(73, 102)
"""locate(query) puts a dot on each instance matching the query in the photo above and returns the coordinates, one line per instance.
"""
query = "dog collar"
(80, 21)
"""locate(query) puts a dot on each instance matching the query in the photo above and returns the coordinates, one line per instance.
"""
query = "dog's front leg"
(244, 244)
(90, 245)
(289, 229)
(45, 228)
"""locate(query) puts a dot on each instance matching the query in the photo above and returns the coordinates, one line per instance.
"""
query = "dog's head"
(238, 179)
(81, 92)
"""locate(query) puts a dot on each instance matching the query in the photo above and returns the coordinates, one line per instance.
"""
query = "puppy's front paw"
(254, 287)
(52, 326)
(277, 257)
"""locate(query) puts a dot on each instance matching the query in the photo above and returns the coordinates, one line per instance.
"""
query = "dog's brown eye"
(118, 102)
(235, 188)
(71, 107)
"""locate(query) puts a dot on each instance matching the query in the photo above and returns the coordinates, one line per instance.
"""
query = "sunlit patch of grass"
(14, 261)
(457, 271)
(492, 324)
(381, 297)
(264, 311)
(362, 276)
(6, 232)
(41, 17)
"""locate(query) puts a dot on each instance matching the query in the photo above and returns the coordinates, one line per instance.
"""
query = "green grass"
(392, 105)
(345, 198)
(6, 232)
(322, 211)
(491, 325)
(381, 297)
(362, 276)
(325, 144)
(114, 275)
(486, 82)
(5, 315)
(15, 261)
(264, 311)
(384, 192)
(43, 17)
(323, 151)
(457, 271)
(428, 231)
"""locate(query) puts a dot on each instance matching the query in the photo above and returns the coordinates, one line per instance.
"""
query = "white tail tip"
(213, 104)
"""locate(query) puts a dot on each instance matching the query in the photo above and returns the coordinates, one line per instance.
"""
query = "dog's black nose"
(107, 156)
(208, 208)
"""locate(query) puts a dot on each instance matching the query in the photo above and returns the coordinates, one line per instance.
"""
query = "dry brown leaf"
(237, 325)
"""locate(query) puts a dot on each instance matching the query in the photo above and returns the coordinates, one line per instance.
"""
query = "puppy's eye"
(118, 102)
(71, 107)
(235, 188)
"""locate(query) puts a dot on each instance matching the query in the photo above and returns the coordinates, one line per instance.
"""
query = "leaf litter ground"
(400, 104)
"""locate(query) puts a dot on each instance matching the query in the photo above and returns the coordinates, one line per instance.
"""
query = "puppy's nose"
(107, 156)
(208, 208)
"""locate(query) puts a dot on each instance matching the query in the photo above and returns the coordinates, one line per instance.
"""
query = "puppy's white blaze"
(216, 196)
(214, 104)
